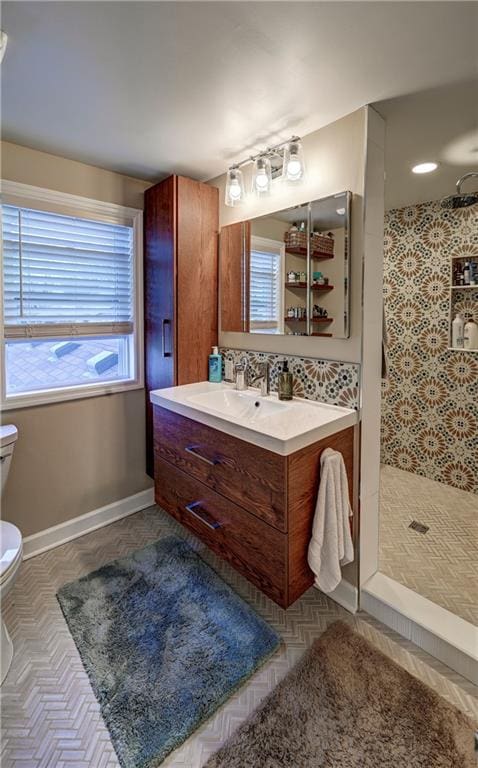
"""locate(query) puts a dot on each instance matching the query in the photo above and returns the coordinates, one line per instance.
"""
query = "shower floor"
(441, 564)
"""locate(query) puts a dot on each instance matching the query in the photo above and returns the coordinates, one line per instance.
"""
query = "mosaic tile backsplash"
(430, 400)
(323, 380)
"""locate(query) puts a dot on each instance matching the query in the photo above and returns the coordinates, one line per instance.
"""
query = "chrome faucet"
(264, 377)
(240, 374)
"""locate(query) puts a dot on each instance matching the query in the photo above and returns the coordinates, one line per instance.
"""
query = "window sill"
(46, 397)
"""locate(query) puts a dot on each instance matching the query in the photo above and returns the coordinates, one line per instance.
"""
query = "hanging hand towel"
(331, 544)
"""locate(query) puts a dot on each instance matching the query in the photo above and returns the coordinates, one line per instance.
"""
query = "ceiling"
(150, 88)
(439, 125)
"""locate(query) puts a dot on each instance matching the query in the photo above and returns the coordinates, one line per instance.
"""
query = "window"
(266, 271)
(71, 300)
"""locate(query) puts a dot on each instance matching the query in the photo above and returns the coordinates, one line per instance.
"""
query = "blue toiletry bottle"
(215, 366)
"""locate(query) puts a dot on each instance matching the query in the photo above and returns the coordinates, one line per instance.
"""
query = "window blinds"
(265, 287)
(64, 275)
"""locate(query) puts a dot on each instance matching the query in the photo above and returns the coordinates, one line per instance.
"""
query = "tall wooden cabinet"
(181, 222)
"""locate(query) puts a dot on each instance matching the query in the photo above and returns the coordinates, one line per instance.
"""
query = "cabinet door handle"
(166, 322)
(195, 509)
(193, 449)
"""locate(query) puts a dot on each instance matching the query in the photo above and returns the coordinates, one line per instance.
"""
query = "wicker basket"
(295, 239)
(318, 243)
(322, 244)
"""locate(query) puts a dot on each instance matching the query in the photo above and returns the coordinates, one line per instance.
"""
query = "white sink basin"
(279, 426)
(247, 405)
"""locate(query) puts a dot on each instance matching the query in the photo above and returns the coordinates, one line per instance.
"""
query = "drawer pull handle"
(195, 509)
(165, 323)
(193, 449)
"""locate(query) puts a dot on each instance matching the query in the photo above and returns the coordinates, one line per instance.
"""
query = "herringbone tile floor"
(50, 717)
(441, 564)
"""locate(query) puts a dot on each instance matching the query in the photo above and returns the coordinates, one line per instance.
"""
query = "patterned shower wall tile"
(430, 401)
(324, 380)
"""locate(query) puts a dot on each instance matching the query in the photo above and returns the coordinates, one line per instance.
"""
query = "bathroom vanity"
(242, 473)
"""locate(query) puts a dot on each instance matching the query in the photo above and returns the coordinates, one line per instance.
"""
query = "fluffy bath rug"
(164, 641)
(346, 705)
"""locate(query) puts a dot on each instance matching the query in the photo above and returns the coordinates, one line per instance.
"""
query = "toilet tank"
(8, 438)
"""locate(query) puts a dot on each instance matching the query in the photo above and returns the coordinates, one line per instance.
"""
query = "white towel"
(331, 544)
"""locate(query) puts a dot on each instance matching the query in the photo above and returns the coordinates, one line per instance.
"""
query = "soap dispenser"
(215, 366)
(285, 383)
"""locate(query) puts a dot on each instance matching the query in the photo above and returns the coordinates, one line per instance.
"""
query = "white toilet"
(11, 547)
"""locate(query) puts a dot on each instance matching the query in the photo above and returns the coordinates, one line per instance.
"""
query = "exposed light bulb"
(262, 176)
(234, 192)
(424, 167)
(293, 168)
(235, 189)
(261, 180)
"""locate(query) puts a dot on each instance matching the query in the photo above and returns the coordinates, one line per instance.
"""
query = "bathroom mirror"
(287, 273)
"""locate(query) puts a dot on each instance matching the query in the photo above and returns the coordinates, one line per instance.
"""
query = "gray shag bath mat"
(164, 642)
(346, 705)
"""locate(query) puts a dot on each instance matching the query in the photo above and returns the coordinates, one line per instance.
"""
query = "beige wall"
(335, 161)
(271, 228)
(76, 456)
(40, 169)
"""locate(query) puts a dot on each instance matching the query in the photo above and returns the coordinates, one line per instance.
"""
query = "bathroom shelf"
(314, 319)
(313, 287)
(468, 294)
(316, 255)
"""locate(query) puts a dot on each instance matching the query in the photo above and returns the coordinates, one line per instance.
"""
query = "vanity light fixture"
(424, 167)
(285, 160)
(262, 176)
(234, 186)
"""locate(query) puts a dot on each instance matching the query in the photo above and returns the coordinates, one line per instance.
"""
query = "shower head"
(461, 199)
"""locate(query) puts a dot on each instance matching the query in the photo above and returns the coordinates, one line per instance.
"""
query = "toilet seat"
(10, 550)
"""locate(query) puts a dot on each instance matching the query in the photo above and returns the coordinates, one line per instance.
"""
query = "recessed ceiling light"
(424, 167)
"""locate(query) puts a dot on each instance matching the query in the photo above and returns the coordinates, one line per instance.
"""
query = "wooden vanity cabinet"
(181, 223)
(253, 507)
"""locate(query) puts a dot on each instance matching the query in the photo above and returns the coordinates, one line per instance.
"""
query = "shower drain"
(419, 527)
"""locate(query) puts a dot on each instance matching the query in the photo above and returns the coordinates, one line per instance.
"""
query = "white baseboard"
(78, 526)
(439, 632)
(345, 595)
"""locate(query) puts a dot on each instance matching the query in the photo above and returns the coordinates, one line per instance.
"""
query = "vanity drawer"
(252, 547)
(248, 475)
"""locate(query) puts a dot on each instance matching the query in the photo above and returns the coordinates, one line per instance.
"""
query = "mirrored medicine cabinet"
(288, 273)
